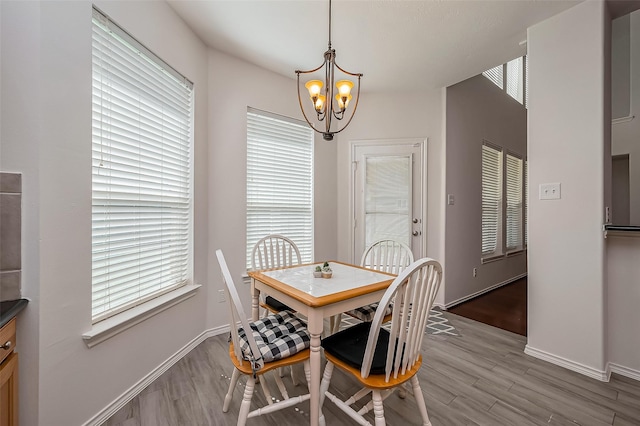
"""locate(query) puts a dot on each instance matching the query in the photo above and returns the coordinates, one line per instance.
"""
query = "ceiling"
(401, 45)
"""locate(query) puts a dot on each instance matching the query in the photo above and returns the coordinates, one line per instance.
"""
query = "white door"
(388, 193)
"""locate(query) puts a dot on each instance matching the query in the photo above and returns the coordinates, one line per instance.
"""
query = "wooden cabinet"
(8, 375)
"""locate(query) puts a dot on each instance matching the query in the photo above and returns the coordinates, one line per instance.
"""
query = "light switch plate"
(549, 191)
(451, 200)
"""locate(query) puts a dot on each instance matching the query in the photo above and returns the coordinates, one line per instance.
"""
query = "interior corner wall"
(234, 86)
(46, 135)
(477, 110)
(566, 144)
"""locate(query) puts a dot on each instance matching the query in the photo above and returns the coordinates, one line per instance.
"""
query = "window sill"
(116, 324)
(496, 257)
(493, 258)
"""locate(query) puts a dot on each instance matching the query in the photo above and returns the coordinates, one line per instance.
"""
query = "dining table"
(349, 287)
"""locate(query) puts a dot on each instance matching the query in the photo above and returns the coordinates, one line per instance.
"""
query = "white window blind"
(491, 198)
(142, 114)
(514, 223)
(515, 79)
(279, 181)
(495, 74)
(526, 81)
(387, 199)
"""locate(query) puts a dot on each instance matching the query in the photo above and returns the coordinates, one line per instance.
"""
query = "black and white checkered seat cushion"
(277, 336)
(366, 313)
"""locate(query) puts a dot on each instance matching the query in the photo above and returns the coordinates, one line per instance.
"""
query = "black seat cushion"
(276, 304)
(349, 346)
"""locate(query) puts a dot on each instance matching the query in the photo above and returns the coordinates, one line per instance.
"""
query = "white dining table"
(349, 287)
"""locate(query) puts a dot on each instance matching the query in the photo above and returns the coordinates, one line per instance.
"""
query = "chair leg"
(402, 391)
(326, 379)
(265, 387)
(246, 401)
(324, 386)
(335, 323)
(232, 387)
(307, 373)
(417, 394)
(378, 408)
(294, 381)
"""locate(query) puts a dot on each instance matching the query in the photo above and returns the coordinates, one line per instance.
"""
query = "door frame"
(353, 144)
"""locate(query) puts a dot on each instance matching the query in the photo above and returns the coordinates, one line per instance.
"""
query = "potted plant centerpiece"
(326, 270)
(318, 272)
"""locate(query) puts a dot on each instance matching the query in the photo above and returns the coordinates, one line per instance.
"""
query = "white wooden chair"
(383, 255)
(275, 341)
(274, 251)
(384, 360)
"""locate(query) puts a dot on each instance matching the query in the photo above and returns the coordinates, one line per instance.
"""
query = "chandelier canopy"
(327, 106)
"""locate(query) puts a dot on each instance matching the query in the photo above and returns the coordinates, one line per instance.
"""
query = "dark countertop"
(10, 309)
(629, 228)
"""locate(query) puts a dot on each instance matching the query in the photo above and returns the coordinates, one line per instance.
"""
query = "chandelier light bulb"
(319, 103)
(343, 101)
(314, 87)
(344, 87)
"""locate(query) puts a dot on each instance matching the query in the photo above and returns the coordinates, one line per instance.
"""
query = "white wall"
(625, 135)
(46, 134)
(234, 85)
(477, 109)
(397, 116)
(567, 139)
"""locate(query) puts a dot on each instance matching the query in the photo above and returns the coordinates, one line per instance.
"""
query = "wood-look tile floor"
(481, 377)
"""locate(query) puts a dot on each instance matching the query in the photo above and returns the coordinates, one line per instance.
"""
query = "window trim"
(116, 324)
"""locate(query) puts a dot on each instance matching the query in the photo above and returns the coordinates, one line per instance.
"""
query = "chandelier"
(326, 106)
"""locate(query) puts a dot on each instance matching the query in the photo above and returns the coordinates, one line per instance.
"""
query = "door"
(388, 193)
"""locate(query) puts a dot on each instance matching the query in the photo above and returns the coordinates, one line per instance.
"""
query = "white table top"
(344, 277)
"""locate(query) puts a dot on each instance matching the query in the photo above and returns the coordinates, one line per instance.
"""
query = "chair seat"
(277, 336)
(350, 344)
(376, 381)
(275, 305)
(245, 366)
(366, 313)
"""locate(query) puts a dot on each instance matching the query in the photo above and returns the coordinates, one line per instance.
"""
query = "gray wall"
(476, 110)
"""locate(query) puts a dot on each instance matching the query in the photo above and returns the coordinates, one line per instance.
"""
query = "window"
(514, 202)
(491, 198)
(503, 212)
(142, 115)
(496, 75)
(279, 181)
(512, 78)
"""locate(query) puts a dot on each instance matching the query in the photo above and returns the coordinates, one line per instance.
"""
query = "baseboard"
(623, 371)
(134, 390)
(594, 373)
(481, 292)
